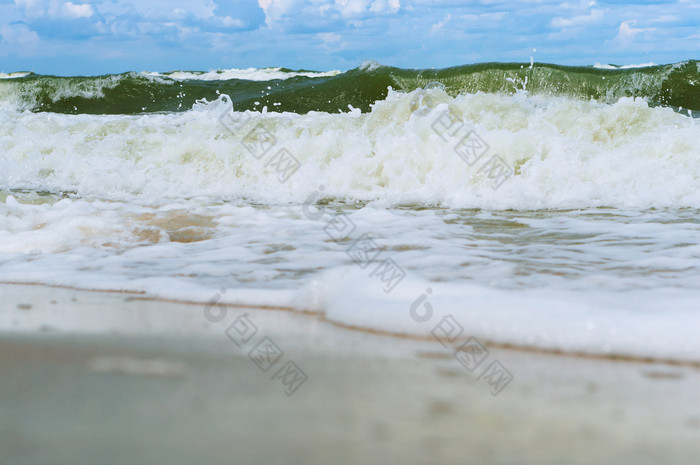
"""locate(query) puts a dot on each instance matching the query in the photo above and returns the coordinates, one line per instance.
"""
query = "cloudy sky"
(101, 36)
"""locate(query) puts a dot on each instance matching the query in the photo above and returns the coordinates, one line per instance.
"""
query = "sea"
(529, 205)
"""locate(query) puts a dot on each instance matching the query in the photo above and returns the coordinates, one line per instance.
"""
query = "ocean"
(529, 205)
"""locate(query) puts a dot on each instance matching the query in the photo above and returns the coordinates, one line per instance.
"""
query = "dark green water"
(675, 85)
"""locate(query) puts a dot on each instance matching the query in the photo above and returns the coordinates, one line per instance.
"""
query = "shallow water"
(523, 277)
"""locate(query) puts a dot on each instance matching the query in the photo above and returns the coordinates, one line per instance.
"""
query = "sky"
(84, 37)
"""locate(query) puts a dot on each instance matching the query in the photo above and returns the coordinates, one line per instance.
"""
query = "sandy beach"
(94, 377)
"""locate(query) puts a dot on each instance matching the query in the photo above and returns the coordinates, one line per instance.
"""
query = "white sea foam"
(250, 74)
(565, 153)
(641, 65)
(13, 75)
(370, 65)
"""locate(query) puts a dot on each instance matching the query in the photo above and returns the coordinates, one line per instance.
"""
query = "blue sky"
(104, 36)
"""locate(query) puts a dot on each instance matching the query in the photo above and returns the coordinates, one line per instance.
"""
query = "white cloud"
(55, 9)
(664, 19)
(32, 8)
(350, 8)
(354, 8)
(276, 9)
(439, 25)
(329, 37)
(627, 33)
(18, 34)
(389, 6)
(232, 22)
(480, 19)
(311, 10)
(160, 10)
(595, 16)
(71, 10)
(328, 34)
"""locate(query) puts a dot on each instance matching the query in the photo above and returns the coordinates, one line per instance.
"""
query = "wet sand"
(92, 377)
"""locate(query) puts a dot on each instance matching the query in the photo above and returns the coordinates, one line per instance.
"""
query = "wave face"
(281, 90)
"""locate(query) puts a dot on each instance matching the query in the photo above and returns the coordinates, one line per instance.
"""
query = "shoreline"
(321, 317)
